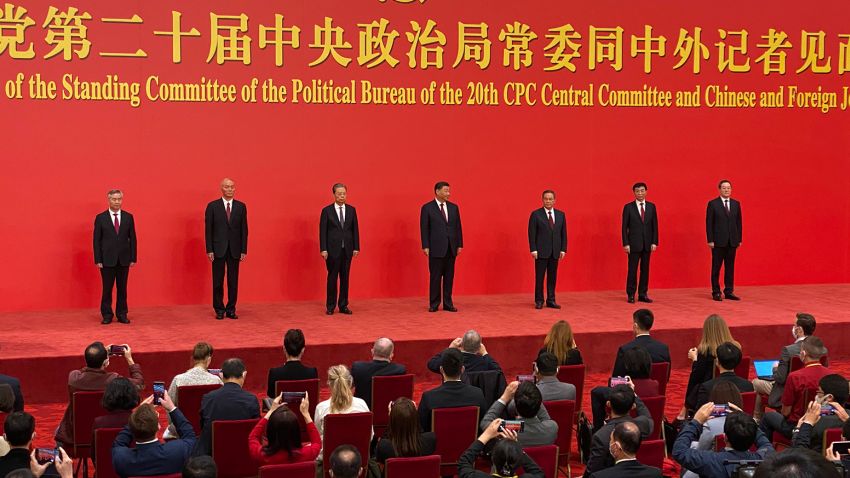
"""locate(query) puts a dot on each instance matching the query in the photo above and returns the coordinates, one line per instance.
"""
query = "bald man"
(381, 364)
(226, 225)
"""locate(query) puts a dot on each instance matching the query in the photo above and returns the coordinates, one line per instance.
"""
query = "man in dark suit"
(293, 369)
(442, 241)
(114, 254)
(723, 232)
(640, 239)
(226, 233)
(728, 357)
(230, 402)
(380, 365)
(339, 242)
(473, 352)
(625, 443)
(149, 457)
(547, 239)
(621, 402)
(643, 319)
(452, 393)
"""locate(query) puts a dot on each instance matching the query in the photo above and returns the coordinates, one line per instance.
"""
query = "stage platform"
(42, 347)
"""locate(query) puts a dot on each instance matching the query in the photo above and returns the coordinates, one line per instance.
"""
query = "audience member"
(625, 443)
(345, 462)
(119, 400)
(714, 332)
(796, 385)
(404, 437)
(722, 393)
(15, 385)
(19, 431)
(197, 375)
(728, 357)
(149, 456)
(621, 401)
(342, 398)
(833, 391)
(562, 344)
(93, 377)
(637, 365)
(804, 326)
(475, 356)
(230, 402)
(293, 369)
(62, 465)
(200, 467)
(282, 433)
(7, 406)
(452, 392)
(507, 456)
(844, 460)
(642, 321)
(539, 428)
(546, 373)
(381, 365)
(797, 463)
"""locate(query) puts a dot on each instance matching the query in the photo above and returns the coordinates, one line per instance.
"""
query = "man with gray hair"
(475, 356)
(339, 243)
(381, 364)
(114, 254)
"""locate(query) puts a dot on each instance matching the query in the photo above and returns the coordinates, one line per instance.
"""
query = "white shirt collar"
(438, 202)
(146, 442)
(111, 212)
(226, 200)
(625, 459)
(337, 206)
(640, 202)
(725, 199)
(552, 210)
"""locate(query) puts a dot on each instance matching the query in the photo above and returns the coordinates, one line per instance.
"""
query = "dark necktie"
(228, 213)
(551, 221)
(443, 211)
(341, 218)
(117, 224)
(641, 212)
(726, 205)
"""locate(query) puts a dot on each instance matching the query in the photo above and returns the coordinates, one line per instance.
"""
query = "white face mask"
(794, 332)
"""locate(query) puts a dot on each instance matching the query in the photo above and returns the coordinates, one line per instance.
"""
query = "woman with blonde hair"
(342, 397)
(714, 332)
(561, 343)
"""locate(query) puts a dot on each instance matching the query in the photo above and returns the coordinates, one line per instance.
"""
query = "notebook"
(764, 368)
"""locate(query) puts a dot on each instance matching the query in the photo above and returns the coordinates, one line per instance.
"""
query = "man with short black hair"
(200, 467)
(507, 456)
(19, 431)
(546, 372)
(442, 242)
(293, 346)
(728, 358)
(452, 393)
(539, 428)
(547, 240)
(797, 463)
(345, 462)
(625, 443)
(381, 365)
(475, 355)
(640, 239)
(230, 402)
(621, 401)
(15, 385)
(642, 322)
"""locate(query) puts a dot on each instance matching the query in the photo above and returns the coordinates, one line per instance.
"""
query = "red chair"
(574, 374)
(346, 429)
(385, 389)
(546, 458)
(656, 410)
(86, 407)
(2, 419)
(742, 370)
(415, 467)
(797, 364)
(831, 435)
(305, 469)
(311, 386)
(103, 439)
(748, 402)
(455, 429)
(719, 442)
(189, 399)
(651, 453)
(660, 372)
(562, 411)
(230, 448)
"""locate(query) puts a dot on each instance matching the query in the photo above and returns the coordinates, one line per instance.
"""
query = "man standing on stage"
(640, 239)
(723, 231)
(226, 224)
(339, 242)
(547, 239)
(442, 241)
(114, 254)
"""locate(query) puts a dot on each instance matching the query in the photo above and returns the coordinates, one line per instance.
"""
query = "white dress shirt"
(112, 216)
(445, 207)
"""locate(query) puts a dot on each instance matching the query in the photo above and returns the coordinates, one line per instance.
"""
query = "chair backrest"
(103, 438)
(655, 405)
(797, 364)
(720, 442)
(831, 435)
(546, 458)
(305, 469)
(563, 412)
(189, 397)
(651, 453)
(385, 389)
(574, 374)
(86, 407)
(230, 448)
(311, 386)
(660, 371)
(749, 402)
(742, 370)
(414, 467)
(346, 429)
(455, 429)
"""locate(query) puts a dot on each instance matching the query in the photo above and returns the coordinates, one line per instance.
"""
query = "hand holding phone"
(158, 392)
(116, 350)
(619, 381)
(720, 410)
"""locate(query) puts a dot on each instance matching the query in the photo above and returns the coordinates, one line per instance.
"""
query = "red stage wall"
(788, 165)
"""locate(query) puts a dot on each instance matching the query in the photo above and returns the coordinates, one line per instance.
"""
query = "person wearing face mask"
(804, 326)
(723, 233)
(625, 443)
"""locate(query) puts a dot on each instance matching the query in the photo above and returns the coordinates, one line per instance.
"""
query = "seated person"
(561, 343)
(119, 400)
(282, 434)
(832, 390)
(507, 456)
(19, 431)
(804, 432)
(546, 373)
(715, 331)
(539, 428)
(642, 322)
(230, 402)
(452, 392)
(200, 467)
(404, 437)
(15, 385)
(797, 462)
(345, 462)
(293, 346)
(197, 375)
(637, 365)
(722, 393)
(342, 399)
(62, 465)
(728, 357)
(625, 443)
(475, 356)
(381, 364)
(621, 401)
(7, 406)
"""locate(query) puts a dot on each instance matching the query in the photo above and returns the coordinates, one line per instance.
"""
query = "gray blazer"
(539, 430)
(781, 374)
(552, 389)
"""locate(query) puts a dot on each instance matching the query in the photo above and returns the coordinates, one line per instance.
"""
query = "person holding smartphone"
(282, 433)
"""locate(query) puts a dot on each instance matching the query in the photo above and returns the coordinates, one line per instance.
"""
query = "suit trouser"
(218, 271)
(338, 269)
(762, 387)
(724, 256)
(442, 269)
(776, 422)
(598, 397)
(116, 275)
(635, 258)
(549, 268)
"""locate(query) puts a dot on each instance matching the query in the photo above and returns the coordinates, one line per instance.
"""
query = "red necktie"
(551, 221)
(442, 210)
(641, 212)
(117, 225)
(228, 213)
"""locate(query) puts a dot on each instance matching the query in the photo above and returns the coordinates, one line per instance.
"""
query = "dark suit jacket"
(362, 372)
(705, 388)
(471, 363)
(630, 468)
(331, 235)
(219, 234)
(15, 384)
(437, 235)
(154, 458)
(450, 395)
(640, 235)
(112, 249)
(16, 459)
(466, 464)
(782, 371)
(657, 350)
(292, 370)
(546, 240)
(600, 456)
(720, 228)
(229, 402)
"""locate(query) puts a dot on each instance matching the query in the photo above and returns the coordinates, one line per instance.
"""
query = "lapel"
(335, 214)
(110, 221)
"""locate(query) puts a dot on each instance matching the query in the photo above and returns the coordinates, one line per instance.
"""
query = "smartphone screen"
(46, 455)
(619, 381)
(525, 378)
(214, 371)
(841, 447)
(720, 410)
(293, 397)
(158, 392)
(116, 350)
(517, 426)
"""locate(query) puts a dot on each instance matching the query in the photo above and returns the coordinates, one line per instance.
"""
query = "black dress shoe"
(645, 299)
(538, 306)
(553, 305)
(432, 309)
(731, 296)
(219, 315)
(106, 321)
(231, 315)
(123, 319)
(449, 308)
(630, 299)
(716, 297)
(329, 312)
(346, 311)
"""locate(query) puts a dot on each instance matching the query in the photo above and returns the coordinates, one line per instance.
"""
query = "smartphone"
(720, 410)
(619, 381)
(517, 426)
(826, 409)
(46, 455)
(525, 378)
(293, 398)
(841, 447)
(214, 371)
(116, 350)
(158, 392)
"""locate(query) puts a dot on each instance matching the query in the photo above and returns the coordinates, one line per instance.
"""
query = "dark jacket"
(702, 370)
(704, 390)
(709, 463)
(229, 402)
(450, 395)
(722, 228)
(332, 236)
(222, 235)
(466, 464)
(15, 384)
(16, 459)
(600, 456)
(630, 469)
(111, 249)
(155, 458)
(471, 362)
(639, 235)
(658, 351)
(548, 241)
(438, 235)
(362, 372)
(291, 370)
(427, 444)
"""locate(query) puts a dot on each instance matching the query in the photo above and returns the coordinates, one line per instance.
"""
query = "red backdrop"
(789, 166)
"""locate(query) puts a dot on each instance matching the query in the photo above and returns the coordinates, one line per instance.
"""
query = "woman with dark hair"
(638, 365)
(723, 393)
(283, 435)
(119, 399)
(403, 437)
